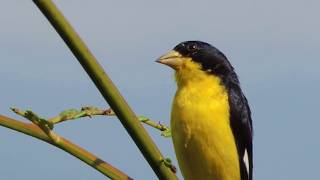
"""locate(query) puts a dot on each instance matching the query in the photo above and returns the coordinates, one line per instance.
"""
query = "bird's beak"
(172, 59)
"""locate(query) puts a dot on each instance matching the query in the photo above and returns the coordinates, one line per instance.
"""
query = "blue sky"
(274, 46)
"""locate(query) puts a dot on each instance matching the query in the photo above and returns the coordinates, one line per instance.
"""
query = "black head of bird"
(207, 56)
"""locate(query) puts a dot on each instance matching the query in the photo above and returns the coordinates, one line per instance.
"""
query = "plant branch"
(109, 91)
(165, 131)
(89, 111)
(72, 114)
(64, 144)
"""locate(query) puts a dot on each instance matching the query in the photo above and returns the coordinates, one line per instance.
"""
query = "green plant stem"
(109, 91)
(88, 111)
(85, 156)
(166, 132)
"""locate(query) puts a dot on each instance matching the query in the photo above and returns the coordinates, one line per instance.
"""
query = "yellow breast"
(201, 133)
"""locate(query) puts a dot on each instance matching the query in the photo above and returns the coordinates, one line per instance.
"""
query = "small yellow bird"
(210, 118)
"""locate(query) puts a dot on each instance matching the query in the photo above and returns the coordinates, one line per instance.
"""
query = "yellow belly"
(202, 138)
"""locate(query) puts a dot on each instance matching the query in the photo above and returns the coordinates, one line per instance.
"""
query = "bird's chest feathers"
(201, 132)
(200, 107)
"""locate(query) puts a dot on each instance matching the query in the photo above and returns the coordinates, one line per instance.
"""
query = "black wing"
(240, 116)
(241, 124)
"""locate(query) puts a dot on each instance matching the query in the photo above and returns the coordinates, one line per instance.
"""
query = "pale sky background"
(274, 46)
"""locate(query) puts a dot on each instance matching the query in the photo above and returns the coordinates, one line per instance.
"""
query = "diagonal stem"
(109, 91)
(85, 156)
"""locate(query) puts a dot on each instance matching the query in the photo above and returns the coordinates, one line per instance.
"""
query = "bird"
(211, 122)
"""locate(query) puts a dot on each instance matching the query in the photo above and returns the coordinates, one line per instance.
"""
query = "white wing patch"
(246, 160)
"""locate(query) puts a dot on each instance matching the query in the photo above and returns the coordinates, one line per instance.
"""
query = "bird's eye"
(192, 47)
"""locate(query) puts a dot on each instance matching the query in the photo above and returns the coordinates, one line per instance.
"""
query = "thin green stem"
(165, 131)
(85, 156)
(72, 114)
(88, 111)
(109, 91)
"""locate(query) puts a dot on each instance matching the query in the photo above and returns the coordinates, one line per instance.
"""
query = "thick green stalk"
(109, 91)
(83, 155)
